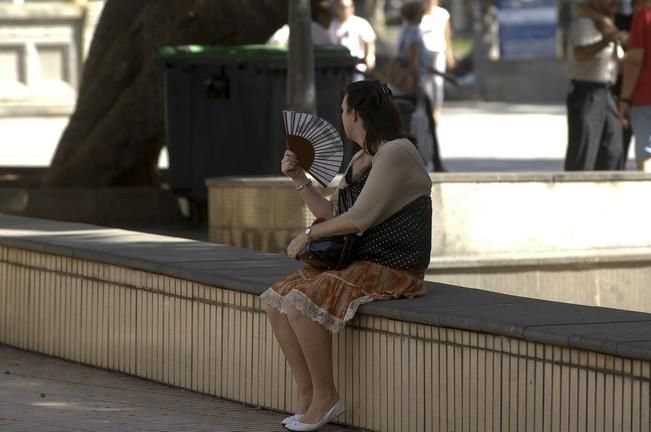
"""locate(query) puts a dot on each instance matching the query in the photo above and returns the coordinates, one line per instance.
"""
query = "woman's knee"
(293, 314)
(273, 314)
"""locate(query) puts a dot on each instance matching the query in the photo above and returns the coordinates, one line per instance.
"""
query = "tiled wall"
(395, 376)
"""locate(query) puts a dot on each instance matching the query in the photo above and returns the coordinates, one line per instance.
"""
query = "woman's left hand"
(297, 245)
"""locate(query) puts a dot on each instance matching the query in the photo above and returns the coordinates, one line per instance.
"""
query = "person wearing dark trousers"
(621, 21)
(594, 131)
(436, 153)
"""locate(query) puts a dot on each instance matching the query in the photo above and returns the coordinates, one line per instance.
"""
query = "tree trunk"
(301, 90)
(116, 132)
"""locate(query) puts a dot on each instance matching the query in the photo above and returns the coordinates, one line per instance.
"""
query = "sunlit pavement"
(474, 136)
(39, 393)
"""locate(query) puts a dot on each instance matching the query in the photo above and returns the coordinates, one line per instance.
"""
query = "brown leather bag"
(399, 75)
(329, 253)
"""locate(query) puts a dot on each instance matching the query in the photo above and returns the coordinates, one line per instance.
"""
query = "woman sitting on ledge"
(390, 209)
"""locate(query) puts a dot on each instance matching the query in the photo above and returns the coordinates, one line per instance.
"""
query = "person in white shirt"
(356, 34)
(321, 18)
(437, 35)
(594, 131)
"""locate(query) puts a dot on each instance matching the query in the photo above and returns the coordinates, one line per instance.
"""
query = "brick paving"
(44, 394)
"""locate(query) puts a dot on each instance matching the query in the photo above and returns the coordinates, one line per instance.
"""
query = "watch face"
(308, 230)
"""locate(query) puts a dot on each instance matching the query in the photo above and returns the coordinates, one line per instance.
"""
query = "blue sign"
(527, 28)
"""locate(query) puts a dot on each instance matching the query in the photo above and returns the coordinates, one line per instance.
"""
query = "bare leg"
(436, 152)
(291, 349)
(316, 343)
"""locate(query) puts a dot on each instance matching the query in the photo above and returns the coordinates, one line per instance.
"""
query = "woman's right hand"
(290, 167)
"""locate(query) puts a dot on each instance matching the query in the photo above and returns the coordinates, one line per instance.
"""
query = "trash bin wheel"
(191, 210)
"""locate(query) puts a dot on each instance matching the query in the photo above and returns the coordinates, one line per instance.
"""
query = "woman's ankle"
(320, 407)
(331, 396)
(304, 401)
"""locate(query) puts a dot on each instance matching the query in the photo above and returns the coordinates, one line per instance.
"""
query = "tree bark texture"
(116, 132)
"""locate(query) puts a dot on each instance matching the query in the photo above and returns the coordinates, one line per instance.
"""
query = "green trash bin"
(223, 109)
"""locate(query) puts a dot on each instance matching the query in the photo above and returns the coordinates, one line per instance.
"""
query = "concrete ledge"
(574, 237)
(524, 215)
(54, 11)
(187, 314)
(580, 259)
(253, 272)
(477, 217)
(101, 206)
(60, 106)
(547, 177)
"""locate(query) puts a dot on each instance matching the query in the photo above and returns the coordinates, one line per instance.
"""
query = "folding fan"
(317, 145)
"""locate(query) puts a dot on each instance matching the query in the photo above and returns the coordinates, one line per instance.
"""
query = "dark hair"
(380, 116)
(412, 11)
(321, 11)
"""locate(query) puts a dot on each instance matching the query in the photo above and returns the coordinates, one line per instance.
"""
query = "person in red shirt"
(635, 96)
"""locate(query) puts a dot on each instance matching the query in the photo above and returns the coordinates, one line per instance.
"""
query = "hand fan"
(317, 145)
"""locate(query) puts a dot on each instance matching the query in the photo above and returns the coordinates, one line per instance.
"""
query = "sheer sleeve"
(398, 177)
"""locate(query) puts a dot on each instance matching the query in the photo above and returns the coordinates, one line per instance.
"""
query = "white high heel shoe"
(334, 412)
(291, 419)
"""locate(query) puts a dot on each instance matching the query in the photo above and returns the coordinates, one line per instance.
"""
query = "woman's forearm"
(318, 205)
(338, 225)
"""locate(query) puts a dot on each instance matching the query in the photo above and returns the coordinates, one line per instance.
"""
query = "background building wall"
(42, 48)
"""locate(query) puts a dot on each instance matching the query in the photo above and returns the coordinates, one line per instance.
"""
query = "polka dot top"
(403, 241)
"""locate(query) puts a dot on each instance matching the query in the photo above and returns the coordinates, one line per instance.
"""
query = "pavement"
(474, 136)
(44, 394)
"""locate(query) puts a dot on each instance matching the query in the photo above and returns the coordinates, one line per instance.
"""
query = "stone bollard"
(261, 213)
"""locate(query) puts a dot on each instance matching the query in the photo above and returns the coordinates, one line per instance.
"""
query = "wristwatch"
(308, 231)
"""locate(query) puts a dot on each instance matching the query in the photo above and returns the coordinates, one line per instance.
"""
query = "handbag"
(334, 252)
(399, 75)
(328, 253)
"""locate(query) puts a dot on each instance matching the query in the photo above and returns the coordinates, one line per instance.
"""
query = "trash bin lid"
(222, 52)
(246, 53)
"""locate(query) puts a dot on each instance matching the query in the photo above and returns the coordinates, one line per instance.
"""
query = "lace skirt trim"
(317, 314)
(331, 298)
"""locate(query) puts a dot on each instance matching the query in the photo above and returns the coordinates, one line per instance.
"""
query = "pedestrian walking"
(621, 22)
(413, 52)
(356, 34)
(594, 130)
(437, 35)
(635, 97)
(321, 15)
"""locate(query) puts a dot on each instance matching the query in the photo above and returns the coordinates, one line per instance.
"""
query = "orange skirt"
(332, 297)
